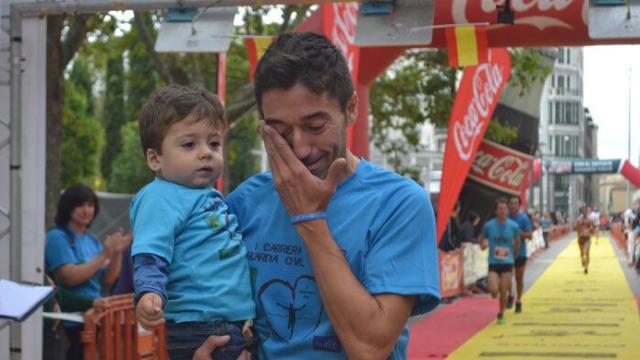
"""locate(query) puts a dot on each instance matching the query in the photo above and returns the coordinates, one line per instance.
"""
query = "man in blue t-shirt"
(526, 230)
(341, 252)
(502, 236)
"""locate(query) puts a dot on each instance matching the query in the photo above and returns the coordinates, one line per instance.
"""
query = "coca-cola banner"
(501, 168)
(477, 96)
(538, 23)
(339, 25)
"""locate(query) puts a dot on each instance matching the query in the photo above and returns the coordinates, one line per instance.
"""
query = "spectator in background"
(75, 258)
(545, 224)
(450, 240)
(467, 231)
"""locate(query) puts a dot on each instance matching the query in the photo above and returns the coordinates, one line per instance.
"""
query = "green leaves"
(420, 88)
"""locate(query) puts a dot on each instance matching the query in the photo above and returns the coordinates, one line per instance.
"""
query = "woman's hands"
(116, 243)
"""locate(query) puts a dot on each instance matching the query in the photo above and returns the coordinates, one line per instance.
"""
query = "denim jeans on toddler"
(183, 339)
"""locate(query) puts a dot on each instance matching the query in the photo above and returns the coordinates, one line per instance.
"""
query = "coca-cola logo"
(343, 33)
(538, 13)
(507, 170)
(486, 82)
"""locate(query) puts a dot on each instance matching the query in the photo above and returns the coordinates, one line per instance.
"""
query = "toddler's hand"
(149, 311)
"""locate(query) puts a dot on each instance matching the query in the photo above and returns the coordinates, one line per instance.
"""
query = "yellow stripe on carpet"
(567, 314)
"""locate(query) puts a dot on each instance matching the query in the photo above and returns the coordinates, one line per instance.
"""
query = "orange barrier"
(116, 329)
(618, 235)
(451, 273)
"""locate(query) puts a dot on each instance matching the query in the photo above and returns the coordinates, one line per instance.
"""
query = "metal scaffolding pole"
(15, 169)
(93, 6)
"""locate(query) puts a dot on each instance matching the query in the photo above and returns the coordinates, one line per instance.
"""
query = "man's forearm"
(366, 327)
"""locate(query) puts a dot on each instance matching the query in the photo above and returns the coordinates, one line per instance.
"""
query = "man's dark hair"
(306, 58)
(174, 103)
(73, 197)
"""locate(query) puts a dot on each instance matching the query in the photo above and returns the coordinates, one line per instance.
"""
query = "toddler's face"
(191, 154)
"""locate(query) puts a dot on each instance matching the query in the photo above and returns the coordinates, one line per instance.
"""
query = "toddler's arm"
(150, 279)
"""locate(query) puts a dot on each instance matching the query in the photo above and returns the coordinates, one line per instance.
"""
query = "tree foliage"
(130, 171)
(82, 138)
(420, 87)
(113, 115)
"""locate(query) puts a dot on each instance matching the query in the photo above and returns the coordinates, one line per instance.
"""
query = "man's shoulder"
(386, 182)
(513, 223)
(490, 223)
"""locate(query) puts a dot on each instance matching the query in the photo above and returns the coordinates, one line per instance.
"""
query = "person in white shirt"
(594, 216)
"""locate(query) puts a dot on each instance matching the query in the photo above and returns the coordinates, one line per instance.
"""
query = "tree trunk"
(55, 101)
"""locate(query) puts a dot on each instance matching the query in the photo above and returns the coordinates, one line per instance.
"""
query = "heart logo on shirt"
(292, 311)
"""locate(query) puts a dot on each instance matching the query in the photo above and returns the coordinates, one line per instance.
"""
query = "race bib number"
(501, 253)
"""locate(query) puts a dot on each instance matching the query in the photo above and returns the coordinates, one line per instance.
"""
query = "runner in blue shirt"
(526, 230)
(502, 236)
(341, 252)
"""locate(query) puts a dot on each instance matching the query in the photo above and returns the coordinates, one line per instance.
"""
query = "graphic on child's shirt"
(217, 221)
(292, 311)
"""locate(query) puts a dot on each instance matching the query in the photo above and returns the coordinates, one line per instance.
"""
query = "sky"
(606, 94)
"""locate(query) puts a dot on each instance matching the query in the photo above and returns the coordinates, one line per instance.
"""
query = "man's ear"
(352, 109)
(153, 160)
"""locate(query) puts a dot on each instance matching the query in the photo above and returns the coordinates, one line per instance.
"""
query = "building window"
(560, 55)
(561, 182)
(568, 60)
(550, 118)
(567, 146)
(560, 87)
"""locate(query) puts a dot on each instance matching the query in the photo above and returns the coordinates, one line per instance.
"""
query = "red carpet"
(443, 331)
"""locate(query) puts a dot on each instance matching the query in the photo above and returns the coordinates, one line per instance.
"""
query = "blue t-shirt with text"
(193, 231)
(385, 227)
(525, 225)
(501, 240)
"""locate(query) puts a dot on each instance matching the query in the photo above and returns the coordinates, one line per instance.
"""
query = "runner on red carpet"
(526, 230)
(502, 236)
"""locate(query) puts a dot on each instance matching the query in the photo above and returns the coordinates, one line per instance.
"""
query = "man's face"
(514, 205)
(313, 125)
(501, 211)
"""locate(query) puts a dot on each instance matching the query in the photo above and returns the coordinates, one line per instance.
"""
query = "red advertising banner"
(501, 168)
(451, 273)
(538, 23)
(339, 25)
(631, 172)
(478, 94)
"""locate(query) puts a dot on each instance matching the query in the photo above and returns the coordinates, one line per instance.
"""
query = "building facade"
(567, 132)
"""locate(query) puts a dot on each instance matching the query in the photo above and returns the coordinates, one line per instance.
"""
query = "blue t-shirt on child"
(384, 225)
(501, 238)
(525, 225)
(192, 230)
